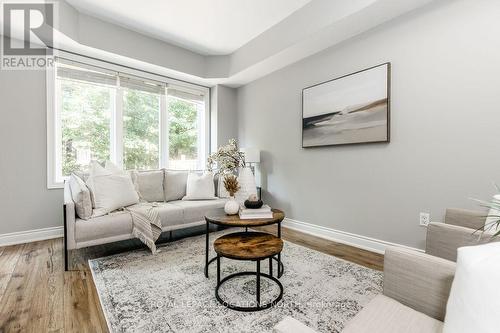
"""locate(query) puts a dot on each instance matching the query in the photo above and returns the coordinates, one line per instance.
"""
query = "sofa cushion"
(385, 315)
(120, 223)
(174, 184)
(170, 215)
(195, 210)
(149, 185)
(114, 224)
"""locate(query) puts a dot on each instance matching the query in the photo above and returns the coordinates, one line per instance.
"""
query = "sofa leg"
(65, 259)
(65, 240)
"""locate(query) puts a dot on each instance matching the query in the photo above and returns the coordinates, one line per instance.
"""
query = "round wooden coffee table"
(219, 217)
(249, 246)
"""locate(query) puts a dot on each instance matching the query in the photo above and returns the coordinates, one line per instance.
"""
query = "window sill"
(55, 187)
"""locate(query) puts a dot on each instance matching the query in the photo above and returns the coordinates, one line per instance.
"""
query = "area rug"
(168, 292)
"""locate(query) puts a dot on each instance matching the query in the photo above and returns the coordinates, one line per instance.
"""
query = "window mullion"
(164, 131)
(200, 129)
(117, 127)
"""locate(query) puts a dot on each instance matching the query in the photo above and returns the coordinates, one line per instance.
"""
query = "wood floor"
(36, 295)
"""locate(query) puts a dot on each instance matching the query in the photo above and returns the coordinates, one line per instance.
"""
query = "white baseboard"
(29, 236)
(362, 242)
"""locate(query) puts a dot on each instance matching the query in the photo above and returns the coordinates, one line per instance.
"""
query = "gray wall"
(227, 112)
(25, 201)
(224, 116)
(445, 126)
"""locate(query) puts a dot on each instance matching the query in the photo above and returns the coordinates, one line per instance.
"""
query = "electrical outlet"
(425, 218)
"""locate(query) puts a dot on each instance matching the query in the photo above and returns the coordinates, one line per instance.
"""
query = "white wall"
(445, 134)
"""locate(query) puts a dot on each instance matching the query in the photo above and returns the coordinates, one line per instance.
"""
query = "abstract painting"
(351, 109)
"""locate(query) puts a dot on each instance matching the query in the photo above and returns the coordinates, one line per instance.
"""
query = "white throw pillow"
(174, 185)
(149, 185)
(111, 189)
(200, 187)
(474, 304)
(81, 197)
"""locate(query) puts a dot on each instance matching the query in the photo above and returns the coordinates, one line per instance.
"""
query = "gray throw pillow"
(80, 194)
(149, 185)
(174, 185)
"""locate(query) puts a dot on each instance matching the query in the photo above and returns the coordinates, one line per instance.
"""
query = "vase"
(246, 179)
(232, 206)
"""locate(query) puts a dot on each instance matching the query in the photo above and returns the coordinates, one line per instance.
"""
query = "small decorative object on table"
(253, 202)
(231, 184)
(228, 159)
(263, 212)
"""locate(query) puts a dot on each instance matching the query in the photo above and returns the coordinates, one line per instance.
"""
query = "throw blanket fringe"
(146, 223)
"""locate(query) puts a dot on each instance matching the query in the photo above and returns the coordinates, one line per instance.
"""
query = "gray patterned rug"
(168, 292)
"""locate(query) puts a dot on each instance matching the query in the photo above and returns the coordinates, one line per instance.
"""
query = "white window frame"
(55, 180)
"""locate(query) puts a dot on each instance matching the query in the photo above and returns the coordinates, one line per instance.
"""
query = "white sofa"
(117, 225)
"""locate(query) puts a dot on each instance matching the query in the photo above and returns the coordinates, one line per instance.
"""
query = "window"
(184, 114)
(141, 125)
(137, 120)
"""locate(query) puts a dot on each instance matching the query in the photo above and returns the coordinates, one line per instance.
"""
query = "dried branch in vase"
(231, 184)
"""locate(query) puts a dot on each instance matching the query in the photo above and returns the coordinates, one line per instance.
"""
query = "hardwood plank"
(55, 279)
(32, 300)
(8, 260)
(47, 302)
(82, 310)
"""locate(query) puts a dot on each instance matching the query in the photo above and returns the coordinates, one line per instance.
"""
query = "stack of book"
(263, 212)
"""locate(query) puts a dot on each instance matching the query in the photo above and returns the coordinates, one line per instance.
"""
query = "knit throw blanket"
(146, 223)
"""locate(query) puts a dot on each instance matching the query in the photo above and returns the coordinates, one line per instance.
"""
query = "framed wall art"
(351, 109)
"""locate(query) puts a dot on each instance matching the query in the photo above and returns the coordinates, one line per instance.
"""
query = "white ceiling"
(209, 27)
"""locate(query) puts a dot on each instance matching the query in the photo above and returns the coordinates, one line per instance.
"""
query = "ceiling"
(208, 27)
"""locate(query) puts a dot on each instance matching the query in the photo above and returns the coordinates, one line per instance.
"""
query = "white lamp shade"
(252, 155)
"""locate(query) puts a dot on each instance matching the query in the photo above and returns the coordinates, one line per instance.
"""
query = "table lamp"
(252, 156)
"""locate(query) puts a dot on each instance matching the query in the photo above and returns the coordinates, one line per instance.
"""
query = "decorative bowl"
(253, 204)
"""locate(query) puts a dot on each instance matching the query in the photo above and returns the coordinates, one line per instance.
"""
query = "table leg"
(271, 266)
(279, 254)
(258, 282)
(218, 270)
(206, 250)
